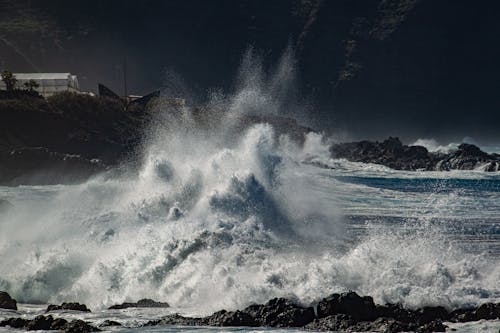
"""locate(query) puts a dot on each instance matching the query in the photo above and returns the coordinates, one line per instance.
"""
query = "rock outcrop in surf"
(143, 303)
(393, 154)
(68, 306)
(339, 312)
(49, 323)
(7, 302)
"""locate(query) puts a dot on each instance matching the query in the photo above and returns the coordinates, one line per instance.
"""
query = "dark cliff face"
(412, 68)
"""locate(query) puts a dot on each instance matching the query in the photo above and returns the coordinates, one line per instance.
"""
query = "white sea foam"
(434, 146)
(220, 217)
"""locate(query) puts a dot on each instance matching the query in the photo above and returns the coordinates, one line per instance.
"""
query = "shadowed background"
(367, 68)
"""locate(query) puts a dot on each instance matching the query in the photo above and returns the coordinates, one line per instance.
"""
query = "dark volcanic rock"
(345, 312)
(42, 166)
(58, 324)
(431, 314)
(14, 322)
(280, 312)
(143, 303)
(7, 302)
(488, 311)
(49, 323)
(68, 306)
(225, 318)
(387, 325)
(433, 326)
(393, 154)
(469, 157)
(338, 322)
(357, 307)
(79, 326)
(40, 323)
(108, 323)
(178, 320)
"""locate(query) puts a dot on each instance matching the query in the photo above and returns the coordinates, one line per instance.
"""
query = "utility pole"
(125, 78)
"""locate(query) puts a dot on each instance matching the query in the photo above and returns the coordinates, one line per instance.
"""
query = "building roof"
(42, 76)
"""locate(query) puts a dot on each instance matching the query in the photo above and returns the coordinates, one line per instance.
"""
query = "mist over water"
(222, 215)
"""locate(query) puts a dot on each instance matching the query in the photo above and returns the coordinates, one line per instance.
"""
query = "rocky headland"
(68, 137)
(393, 154)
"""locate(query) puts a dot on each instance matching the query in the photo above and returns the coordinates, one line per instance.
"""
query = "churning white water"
(221, 216)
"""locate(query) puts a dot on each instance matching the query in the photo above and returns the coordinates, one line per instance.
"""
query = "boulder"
(432, 326)
(225, 318)
(68, 306)
(58, 324)
(47, 323)
(7, 302)
(108, 323)
(431, 314)
(79, 326)
(14, 322)
(176, 319)
(280, 312)
(357, 307)
(40, 323)
(488, 311)
(337, 322)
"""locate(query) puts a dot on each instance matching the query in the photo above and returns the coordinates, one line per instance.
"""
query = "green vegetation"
(70, 123)
(9, 79)
(31, 85)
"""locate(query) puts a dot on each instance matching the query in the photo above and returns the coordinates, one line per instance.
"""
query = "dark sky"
(366, 68)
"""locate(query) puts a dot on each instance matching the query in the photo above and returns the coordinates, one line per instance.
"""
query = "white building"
(49, 83)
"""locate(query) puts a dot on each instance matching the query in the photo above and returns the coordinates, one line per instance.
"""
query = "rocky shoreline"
(344, 312)
(393, 154)
(68, 138)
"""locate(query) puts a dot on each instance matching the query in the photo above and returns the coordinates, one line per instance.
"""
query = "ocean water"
(217, 217)
(262, 219)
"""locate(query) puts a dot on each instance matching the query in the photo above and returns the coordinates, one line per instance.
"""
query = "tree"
(9, 79)
(31, 85)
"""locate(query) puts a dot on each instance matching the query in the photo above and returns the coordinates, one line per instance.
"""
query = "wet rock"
(40, 323)
(432, 326)
(108, 323)
(393, 154)
(430, 314)
(49, 323)
(357, 307)
(397, 312)
(338, 322)
(68, 306)
(280, 312)
(14, 322)
(345, 312)
(7, 302)
(79, 326)
(177, 319)
(143, 303)
(386, 325)
(58, 324)
(236, 318)
(488, 311)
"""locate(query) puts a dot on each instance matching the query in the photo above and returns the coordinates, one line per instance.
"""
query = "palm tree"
(31, 85)
(9, 79)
